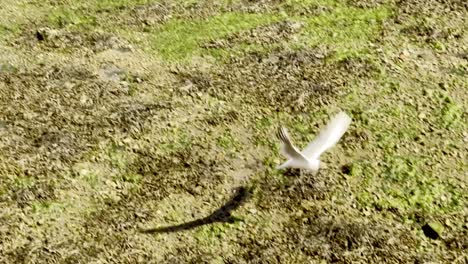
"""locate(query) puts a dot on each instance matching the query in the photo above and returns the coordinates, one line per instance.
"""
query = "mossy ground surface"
(143, 131)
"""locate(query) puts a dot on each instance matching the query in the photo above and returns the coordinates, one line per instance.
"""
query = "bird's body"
(309, 157)
(312, 165)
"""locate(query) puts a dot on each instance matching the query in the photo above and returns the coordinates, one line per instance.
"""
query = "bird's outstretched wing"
(287, 148)
(328, 136)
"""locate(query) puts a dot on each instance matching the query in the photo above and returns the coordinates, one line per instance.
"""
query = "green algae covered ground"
(143, 131)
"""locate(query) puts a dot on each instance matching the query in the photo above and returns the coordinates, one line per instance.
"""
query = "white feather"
(328, 136)
(309, 157)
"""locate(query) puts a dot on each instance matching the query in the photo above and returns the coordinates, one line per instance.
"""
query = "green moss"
(94, 5)
(8, 31)
(175, 140)
(227, 141)
(451, 114)
(23, 181)
(264, 123)
(113, 4)
(118, 157)
(66, 17)
(8, 68)
(294, 7)
(92, 179)
(47, 207)
(401, 169)
(179, 39)
(346, 29)
(405, 184)
(210, 234)
(132, 178)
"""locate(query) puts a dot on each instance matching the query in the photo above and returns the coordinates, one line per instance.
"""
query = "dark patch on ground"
(108, 229)
(119, 218)
(276, 6)
(317, 236)
(422, 19)
(222, 117)
(132, 118)
(150, 14)
(192, 170)
(71, 41)
(51, 112)
(188, 255)
(288, 81)
(41, 191)
(297, 9)
(263, 35)
(320, 232)
(339, 240)
(62, 112)
(123, 218)
(459, 242)
(254, 6)
(294, 190)
(221, 215)
(147, 16)
(366, 3)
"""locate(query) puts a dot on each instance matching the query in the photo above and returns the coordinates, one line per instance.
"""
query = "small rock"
(428, 92)
(448, 223)
(83, 99)
(433, 230)
(46, 34)
(347, 169)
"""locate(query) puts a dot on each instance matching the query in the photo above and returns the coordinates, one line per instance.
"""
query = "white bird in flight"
(309, 157)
